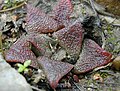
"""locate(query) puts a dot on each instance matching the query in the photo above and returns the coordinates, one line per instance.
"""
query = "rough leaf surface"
(92, 56)
(54, 70)
(42, 43)
(38, 21)
(20, 52)
(62, 11)
(71, 38)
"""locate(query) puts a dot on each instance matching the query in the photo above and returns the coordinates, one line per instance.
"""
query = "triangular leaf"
(92, 56)
(54, 70)
(62, 11)
(20, 52)
(71, 38)
(38, 21)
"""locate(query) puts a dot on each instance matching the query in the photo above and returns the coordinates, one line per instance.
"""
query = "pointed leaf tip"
(54, 70)
(70, 38)
(92, 56)
(27, 63)
(62, 11)
(38, 21)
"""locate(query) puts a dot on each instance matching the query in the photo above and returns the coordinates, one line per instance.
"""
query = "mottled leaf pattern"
(42, 43)
(54, 70)
(62, 11)
(38, 21)
(92, 56)
(71, 38)
(20, 52)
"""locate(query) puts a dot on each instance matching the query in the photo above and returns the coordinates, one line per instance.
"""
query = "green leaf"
(26, 70)
(19, 65)
(27, 63)
(21, 69)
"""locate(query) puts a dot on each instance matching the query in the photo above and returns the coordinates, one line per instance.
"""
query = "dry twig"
(12, 8)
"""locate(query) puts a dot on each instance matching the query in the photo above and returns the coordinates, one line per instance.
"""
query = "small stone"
(116, 63)
(97, 77)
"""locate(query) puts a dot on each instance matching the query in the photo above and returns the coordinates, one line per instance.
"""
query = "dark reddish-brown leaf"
(42, 43)
(70, 38)
(62, 11)
(20, 52)
(38, 21)
(92, 56)
(54, 70)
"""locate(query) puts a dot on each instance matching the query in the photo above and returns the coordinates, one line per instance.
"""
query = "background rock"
(10, 79)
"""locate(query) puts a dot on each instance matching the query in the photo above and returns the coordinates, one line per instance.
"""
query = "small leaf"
(19, 65)
(26, 70)
(27, 63)
(21, 69)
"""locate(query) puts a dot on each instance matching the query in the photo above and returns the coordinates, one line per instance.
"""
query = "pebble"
(116, 63)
